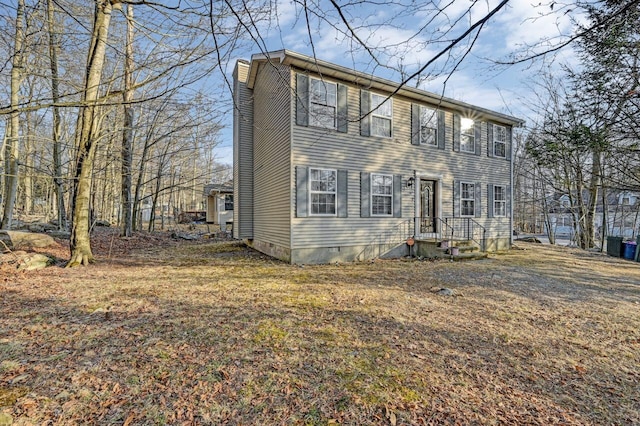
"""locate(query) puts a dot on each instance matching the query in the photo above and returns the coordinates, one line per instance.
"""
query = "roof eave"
(304, 62)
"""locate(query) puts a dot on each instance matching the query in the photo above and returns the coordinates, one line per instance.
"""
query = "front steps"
(453, 250)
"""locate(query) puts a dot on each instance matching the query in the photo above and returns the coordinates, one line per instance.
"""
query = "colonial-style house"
(332, 164)
(219, 204)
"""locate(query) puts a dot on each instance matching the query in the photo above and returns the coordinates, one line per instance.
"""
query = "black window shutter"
(490, 147)
(478, 136)
(415, 124)
(302, 100)
(456, 198)
(508, 143)
(489, 200)
(397, 195)
(441, 129)
(343, 112)
(365, 108)
(302, 191)
(343, 183)
(456, 132)
(365, 194)
(478, 198)
(508, 203)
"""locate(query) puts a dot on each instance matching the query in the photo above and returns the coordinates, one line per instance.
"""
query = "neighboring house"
(622, 214)
(331, 164)
(219, 204)
(561, 215)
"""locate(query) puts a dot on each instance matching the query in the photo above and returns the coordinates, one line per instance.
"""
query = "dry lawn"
(165, 332)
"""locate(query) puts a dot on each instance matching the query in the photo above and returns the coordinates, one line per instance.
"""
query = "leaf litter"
(162, 331)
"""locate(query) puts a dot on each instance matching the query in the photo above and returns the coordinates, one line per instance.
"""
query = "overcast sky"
(410, 35)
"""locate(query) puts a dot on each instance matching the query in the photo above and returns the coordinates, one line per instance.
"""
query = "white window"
(322, 188)
(467, 199)
(381, 195)
(322, 103)
(499, 200)
(428, 126)
(467, 135)
(499, 141)
(382, 115)
(228, 202)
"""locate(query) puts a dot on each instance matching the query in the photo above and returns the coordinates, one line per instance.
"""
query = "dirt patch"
(162, 331)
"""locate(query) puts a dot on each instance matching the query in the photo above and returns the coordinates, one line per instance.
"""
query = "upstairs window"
(382, 115)
(228, 202)
(467, 199)
(428, 126)
(322, 191)
(499, 141)
(467, 135)
(322, 103)
(381, 195)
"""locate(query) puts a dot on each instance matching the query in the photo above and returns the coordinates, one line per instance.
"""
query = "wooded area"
(580, 159)
(112, 109)
(122, 136)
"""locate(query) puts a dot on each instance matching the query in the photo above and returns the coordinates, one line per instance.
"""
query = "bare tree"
(13, 139)
(57, 121)
(127, 131)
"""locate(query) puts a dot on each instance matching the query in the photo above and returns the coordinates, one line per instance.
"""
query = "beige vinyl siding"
(242, 154)
(355, 153)
(272, 153)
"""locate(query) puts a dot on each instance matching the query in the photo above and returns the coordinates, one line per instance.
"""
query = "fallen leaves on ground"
(161, 331)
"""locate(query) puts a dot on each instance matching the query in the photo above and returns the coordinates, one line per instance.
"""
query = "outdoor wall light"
(410, 182)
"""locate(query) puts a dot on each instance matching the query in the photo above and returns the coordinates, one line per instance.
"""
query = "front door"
(427, 206)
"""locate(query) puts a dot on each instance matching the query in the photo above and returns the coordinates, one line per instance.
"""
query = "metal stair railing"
(466, 228)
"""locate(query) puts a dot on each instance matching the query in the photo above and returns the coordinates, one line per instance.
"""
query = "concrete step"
(466, 250)
(469, 256)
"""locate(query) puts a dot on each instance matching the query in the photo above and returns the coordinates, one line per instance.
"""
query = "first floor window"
(381, 195)
(467, 135)
(467, 199)
(499, 200)
(499, 141)
(382, 115)
(228, 202)
(322, 188)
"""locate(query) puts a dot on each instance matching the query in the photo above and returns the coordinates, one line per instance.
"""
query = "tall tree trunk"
(30, 154)
(127, 131)
(590, 214)
(80, 241)
(13, 139)
(57, 122)
(605, 217)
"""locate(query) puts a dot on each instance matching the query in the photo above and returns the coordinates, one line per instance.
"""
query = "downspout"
(511, 191)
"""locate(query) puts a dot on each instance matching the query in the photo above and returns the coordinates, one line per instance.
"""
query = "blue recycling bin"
(630, 250)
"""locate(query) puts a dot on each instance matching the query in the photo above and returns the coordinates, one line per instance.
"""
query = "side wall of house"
(272, 160)
(325, 239)
(242, 154)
